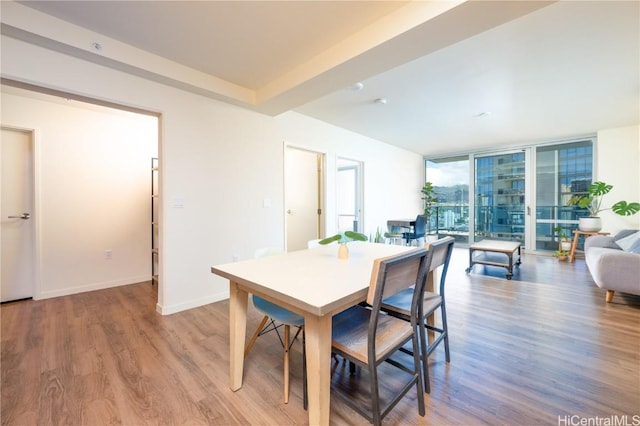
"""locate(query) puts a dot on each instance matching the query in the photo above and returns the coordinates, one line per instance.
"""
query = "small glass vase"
(343, 251)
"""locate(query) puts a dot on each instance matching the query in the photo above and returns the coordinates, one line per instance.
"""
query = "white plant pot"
(565, 245)
(590, 224)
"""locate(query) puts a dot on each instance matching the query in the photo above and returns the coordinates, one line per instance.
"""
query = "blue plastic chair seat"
(278, 313)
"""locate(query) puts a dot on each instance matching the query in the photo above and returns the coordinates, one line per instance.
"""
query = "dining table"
(314, 283)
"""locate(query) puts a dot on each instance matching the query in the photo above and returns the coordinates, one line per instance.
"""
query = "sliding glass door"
(561, 171)
(500, 197)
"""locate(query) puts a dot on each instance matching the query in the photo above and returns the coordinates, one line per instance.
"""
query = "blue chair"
(276, 316)
(419, 230)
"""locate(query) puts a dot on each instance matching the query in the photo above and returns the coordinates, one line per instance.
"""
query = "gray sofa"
(614, 262)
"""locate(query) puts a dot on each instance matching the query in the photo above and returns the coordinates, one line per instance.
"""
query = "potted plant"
(343, 238)
(378, 238)
(561, 254)
(565, 241)
(592, 201)
(429, 199)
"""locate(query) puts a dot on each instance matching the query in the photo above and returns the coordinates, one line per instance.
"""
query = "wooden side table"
(576, 237)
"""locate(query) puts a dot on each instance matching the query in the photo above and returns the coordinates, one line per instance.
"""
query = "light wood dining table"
(313, 283)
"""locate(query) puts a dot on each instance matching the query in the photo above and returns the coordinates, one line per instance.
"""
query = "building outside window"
(518, 195)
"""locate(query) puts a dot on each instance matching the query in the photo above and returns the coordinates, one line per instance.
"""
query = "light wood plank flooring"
(531, 351)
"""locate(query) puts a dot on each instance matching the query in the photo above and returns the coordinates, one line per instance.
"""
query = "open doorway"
(349, 200)
(92, 202)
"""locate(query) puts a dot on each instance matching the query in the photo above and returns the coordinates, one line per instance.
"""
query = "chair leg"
(445, 329)
(375, 396)
(424, 355)
(419, 386)
(255, 335)
(286, 363)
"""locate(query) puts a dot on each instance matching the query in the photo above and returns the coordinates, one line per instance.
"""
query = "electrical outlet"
(236, 258)
(108, 254)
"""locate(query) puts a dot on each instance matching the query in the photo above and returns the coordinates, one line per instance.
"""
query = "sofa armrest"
(613, 269)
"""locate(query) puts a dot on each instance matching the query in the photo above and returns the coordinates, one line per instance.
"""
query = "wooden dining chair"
(400, 306)
(274, 318)
(368, 338)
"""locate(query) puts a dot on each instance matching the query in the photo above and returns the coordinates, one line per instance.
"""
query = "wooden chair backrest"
(393, 274)
(441, 251)
(440, 255)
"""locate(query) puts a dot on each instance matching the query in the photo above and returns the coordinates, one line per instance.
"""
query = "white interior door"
(303, 197)
(17, 231)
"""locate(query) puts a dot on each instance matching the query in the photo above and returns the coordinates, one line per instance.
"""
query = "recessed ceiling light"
(356, 87)
(382, 101)
(483, 114)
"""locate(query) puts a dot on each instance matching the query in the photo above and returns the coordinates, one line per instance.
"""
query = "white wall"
(618, 164)
(93, 170)
(223, 161)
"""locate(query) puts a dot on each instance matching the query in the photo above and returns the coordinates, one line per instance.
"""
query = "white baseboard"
(178, 307)
(91, 287)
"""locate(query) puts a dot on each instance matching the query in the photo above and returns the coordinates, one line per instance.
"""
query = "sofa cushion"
(611, 244)
(635, 247)
(624, 233)
(628, 241)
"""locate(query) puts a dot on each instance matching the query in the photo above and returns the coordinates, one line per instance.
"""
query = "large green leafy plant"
(592, 201)
(429, 198)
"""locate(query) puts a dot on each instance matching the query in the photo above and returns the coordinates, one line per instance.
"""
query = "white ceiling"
(456, 75)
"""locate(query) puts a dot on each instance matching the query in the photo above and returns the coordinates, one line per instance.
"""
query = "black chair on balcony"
(419, 230)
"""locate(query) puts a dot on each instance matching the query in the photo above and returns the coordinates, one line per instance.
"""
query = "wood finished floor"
(523, 352)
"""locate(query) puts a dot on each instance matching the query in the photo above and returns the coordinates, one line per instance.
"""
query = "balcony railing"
(505, 223)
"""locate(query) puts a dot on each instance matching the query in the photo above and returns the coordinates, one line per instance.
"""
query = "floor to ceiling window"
(498, 205)
(450, 177)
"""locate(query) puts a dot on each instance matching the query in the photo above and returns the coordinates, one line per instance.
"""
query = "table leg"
(510, 267)
(574, 245)
(237, 329)
(470, 260)
(318, 349)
